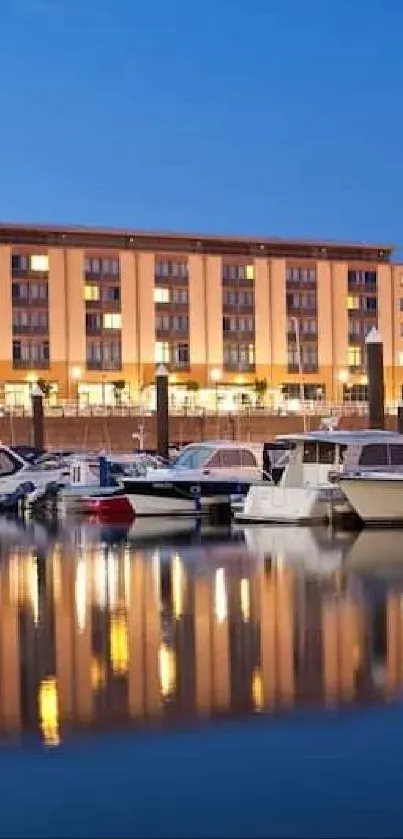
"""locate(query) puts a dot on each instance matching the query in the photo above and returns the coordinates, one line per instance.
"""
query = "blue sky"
(274, 117)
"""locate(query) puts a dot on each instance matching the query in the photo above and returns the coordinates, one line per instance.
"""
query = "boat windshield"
(194, 457)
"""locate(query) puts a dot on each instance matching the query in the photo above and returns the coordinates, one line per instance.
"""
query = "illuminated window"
(112, 321)
(353, 301)
(161, 295)
(354, 356)
(250, 272)
(162, 354)
(91, 292)
(400, 359)
(39, 263)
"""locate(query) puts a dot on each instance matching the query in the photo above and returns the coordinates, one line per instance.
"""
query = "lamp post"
(343, 377)
(295, 323)
(215, 376)
(76, 374)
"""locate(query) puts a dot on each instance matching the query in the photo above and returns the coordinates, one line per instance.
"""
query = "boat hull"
(286, 505)
(375, 501)
(180, 497)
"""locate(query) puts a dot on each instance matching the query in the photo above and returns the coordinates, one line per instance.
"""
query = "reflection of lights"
(14, 579)
(245, 599)
(177, 585)
(81, 594)
(126, 575)
(119, 643)
(100, 581)
(156, 574)
(112, 581)
(166, 670)
(49, 711)
(220, 595)
(257, 689)
(98, 674)
(24, 581)
(34, 589)
(57, 582)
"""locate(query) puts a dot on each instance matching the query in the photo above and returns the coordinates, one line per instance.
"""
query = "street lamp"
(343, 377)
(215, 376)
(76, 374)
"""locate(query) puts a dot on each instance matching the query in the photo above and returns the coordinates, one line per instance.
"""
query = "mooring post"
(161, 381)
(376, 383)
(38, 420)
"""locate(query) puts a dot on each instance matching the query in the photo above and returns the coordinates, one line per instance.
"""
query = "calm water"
(103, 628)
(167, 663)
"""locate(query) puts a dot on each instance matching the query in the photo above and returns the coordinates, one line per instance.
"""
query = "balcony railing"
(28, 364)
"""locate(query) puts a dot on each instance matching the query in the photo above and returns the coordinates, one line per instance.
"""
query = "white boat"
(203, 474)
(376, 497)
(23, 478)
(307, 491)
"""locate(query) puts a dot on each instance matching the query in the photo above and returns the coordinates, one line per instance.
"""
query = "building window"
(365, 279)
(104, 355)
(91, 292)
(93, 322)
(36, 263)
(161, 295)
(370, 304)
(30, 292)
(353, 301)
(354, 356)
(162, 352)
(235, 273)
(110, 294)
(179, 296)
(39, 263)
(30, 354)
(112, 321)
(181, 355)
(171, 268)
(401, 330)
(105, 266)
(299, 274)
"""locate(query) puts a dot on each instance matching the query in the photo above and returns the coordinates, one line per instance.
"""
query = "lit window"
(353, 302)
(400, 359)
(161, 295)
(162, 352)
(91, 292)
(112, 321)
(354, 356)
(39, 263)
(250, 272)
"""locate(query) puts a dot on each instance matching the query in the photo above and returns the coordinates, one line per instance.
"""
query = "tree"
(45, 387)
(118, 388)
(260, 388)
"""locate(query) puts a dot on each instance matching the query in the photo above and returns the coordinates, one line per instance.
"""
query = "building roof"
(166, 242)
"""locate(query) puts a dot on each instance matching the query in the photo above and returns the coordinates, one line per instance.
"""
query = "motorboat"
(376, 496)
(307, 491)
(203, 474)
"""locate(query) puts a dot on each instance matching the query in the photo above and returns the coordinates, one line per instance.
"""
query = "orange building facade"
(92, 312)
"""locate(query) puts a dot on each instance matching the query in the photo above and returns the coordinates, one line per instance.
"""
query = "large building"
(93, 311)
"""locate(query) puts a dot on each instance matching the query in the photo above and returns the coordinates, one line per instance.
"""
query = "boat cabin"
(314, 455)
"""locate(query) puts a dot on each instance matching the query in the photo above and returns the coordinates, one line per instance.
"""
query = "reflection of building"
(106, 635)
(221, 312)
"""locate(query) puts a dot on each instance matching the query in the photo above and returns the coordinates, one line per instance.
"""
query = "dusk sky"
(278, 117)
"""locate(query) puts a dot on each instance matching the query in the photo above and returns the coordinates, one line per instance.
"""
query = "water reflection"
(99, 632)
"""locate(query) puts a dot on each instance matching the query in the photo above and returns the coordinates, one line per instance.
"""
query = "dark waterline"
(161, 648)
